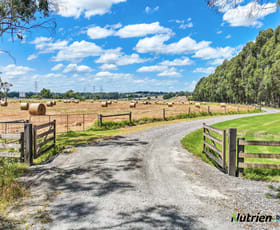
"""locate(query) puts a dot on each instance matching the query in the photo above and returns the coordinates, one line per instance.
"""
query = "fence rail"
(18, 149)
(101, 116)
(219, 156)
(41, 140)
(242, 155)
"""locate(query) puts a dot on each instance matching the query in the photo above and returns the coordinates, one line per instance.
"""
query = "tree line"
(253, 76)
(47, 94)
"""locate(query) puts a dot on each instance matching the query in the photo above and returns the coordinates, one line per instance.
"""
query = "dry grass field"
(79, 116)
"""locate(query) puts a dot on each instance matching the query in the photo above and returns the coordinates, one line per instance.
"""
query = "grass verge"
(263, 127)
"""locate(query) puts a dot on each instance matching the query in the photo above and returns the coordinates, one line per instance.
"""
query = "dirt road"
(146, 180)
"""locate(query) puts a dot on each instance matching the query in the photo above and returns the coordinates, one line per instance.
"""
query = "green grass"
(263, 127)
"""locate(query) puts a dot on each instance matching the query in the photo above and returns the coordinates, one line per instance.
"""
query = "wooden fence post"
(28, 137)
(67, 122)
(208, 109)
(83, 122)
(54, 132)
(130, 117)
(100, 120)
(189, 111)
(163, 114)
(225, 109)
(204, 138)
(224, 140)
(238, 108)
(232, 133)
(240, 148)
(22, 146)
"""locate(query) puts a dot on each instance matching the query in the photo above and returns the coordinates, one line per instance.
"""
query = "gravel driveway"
(146, 180)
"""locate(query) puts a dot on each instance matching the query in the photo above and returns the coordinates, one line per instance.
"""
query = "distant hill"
(253, 76)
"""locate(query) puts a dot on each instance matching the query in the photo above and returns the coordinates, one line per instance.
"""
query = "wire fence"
(83, 121)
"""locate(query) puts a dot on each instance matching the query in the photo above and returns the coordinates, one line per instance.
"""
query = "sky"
(132, 45)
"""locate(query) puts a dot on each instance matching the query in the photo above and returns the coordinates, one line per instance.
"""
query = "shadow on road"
(156, 217)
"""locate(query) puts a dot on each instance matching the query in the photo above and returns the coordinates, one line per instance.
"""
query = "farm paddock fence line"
(31, 143)
(242, 155)
(236, 151)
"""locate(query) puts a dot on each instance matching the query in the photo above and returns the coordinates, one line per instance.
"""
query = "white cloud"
(108, 67)
(170, 72)
(204, 70)
(178, 62)
(141, 30)
(114, 75)
(156, 44)
(215, 53)
(219, 32)
(97, 32)
(153, 68)
(191, 85)
(164, 70)
(218, 61)
(46, 44)
(32, 57)
(115, 56)
(57, 67)
(248, 15)
(183, 24)
(75, 8)
(150, 10)
(228, 36)
(14, 70)
(74, 68)
(77, 51)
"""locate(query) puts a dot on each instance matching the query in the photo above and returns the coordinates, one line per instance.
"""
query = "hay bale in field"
(54, 102)
(24, 106)
(197, 105)
(170, 104)
(132, 105)
(49, 103)
(145, 103)
(37, 109)
(223, 105)
(191, 102)
(104, 104)
(4, 103)
(76, 101)
(109, 102)
(115, 101)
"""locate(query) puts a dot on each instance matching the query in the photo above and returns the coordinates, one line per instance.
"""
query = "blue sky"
(132, 45)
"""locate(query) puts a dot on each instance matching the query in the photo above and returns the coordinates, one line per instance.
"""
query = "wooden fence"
(211, 149)
(100, 117)
(15, 150)
(242, 155)
(41, 140)
(31, 143)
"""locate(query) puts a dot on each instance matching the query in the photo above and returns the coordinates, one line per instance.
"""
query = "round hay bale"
(191, 102)
(64, 101)
(115, 101)
(132, 105)
(197, 105)
(145, 103)
(24, 106)
(104, 104)
(76, 101)
(4, 103)
(37, 109)
(49, 103)
(109, 102)
(223, 105)
(170, 104)
(54, 102)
